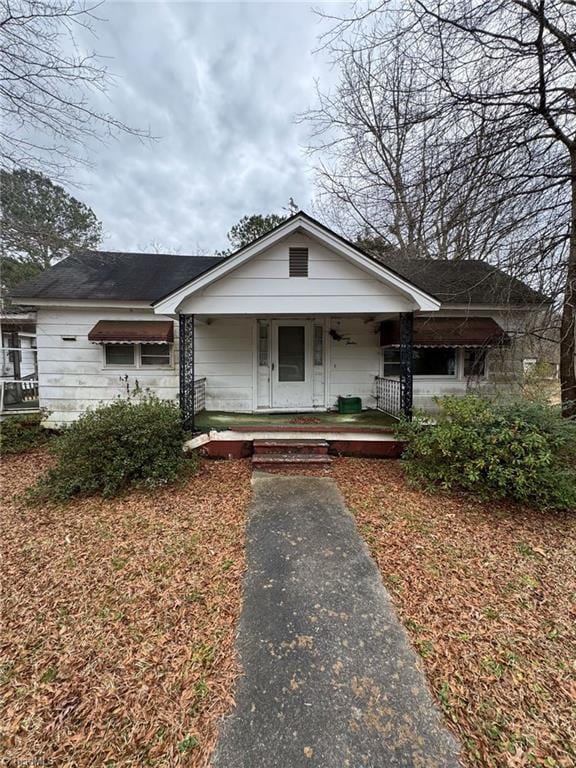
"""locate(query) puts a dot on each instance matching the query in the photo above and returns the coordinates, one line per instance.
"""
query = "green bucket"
(349, 404)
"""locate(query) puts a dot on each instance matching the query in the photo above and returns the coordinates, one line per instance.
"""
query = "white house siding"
(263, 285)
(73, 377)
(72, 374)
(355, 360)
(224, 354)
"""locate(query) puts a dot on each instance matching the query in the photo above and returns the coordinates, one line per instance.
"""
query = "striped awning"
(132, 331)
(447, 332)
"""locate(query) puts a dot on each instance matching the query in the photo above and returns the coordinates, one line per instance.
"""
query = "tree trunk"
(568, 325)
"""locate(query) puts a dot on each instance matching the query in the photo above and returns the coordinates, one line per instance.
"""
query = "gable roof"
(115, 276)
(152, 277)
(301, 222)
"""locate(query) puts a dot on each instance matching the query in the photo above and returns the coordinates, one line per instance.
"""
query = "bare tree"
(493, 115)
(384, 158)
(49, 86)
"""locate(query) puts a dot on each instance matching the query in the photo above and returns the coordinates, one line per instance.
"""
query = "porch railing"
(199, 395)
(19, 379)
(18, 393)
(389, 396)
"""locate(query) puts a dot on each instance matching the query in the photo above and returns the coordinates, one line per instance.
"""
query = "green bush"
(19, 434)
(516, 449)
(130, 443)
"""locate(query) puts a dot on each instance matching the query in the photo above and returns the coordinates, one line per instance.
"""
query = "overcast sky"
(220, 84)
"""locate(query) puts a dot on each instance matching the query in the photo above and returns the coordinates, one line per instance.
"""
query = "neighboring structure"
(18, 369)
(288, 323)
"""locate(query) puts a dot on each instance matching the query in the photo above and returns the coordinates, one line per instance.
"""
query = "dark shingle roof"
(115, 276)
(463, 282)
(150, 277)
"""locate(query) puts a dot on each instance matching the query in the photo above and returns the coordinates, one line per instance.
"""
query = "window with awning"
(132, 332)
(447, 332)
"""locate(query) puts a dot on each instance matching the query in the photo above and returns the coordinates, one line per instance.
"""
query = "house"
(291, 322)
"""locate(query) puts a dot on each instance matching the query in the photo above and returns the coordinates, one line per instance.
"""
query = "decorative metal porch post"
(406, 362)
(187, 388)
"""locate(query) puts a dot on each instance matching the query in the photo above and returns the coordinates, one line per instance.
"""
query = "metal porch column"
(406, 363)
(186, 372)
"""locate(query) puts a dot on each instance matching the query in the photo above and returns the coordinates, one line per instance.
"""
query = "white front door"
(292, 371)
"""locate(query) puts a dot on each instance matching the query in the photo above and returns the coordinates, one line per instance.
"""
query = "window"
(391, 361)
(474, 362)
(119, 354)
(434, 361)
(155, 354)
(291, 353)
(137, 355)
(318, 345)
(529, 364)
(427, 361)
(298, 258)
(263, 344)
(538, 368)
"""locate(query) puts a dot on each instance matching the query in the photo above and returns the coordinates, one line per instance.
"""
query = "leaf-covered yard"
(487, 593)
(119, 616)
(119, 620)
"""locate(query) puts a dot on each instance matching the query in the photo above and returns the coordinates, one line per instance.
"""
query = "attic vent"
(298, 262)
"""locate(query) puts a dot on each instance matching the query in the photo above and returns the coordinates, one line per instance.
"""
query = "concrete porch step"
(263, 460)
(317, 447)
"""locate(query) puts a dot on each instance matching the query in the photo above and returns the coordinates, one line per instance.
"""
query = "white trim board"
(86, 303)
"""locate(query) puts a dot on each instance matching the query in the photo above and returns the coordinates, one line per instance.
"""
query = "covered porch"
(291, 323)
(18, 365)
(285, 371)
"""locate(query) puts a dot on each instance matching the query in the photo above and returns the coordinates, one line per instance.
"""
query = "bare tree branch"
(49, 87)
(452, 134)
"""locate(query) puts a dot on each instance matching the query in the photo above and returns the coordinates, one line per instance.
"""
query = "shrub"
(517, 449)
(19, 434)
(130, 443)
(540, 383)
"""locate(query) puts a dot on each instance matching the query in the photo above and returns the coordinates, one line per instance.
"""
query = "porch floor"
(220, 420)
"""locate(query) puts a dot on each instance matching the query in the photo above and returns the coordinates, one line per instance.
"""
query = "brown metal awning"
(128, 331)
(447, 332)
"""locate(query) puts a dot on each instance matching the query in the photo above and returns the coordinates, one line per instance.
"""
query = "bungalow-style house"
(290, 323)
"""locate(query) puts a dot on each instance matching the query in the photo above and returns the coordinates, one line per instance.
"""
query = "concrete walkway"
(329, 677)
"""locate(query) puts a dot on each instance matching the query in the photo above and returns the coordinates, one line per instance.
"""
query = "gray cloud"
(219, 84)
